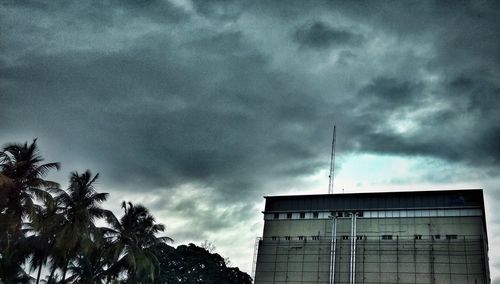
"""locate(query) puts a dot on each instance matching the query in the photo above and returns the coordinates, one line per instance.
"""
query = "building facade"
(392, 237)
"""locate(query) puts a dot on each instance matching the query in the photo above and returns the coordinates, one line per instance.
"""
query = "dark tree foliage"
(42, 225)
(192, 264)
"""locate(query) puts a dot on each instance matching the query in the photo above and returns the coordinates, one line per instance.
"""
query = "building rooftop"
(463, 198)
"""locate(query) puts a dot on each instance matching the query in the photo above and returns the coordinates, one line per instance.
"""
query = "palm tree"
(90, 266)
(21, 183)
(45, 225)
(82, 206)
(133, 239)
(21, 164)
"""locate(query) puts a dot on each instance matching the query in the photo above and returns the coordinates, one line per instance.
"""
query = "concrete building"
(392, 237)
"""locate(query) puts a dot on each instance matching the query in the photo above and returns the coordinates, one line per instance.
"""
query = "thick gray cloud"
(319, 36)
(235, 100)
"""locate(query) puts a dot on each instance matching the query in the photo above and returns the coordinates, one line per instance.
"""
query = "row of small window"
(379, 214)
(300, 238)
(362, 237)
(314, 238)
(302, 215)
(419, 237)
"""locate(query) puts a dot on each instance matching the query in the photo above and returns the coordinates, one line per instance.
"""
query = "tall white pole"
(354, 255)
(351, 245)
(333, 249)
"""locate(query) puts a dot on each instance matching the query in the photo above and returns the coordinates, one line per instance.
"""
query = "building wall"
(440, 248)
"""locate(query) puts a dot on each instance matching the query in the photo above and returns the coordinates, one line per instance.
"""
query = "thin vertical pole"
(276, 251)
(466, 260)
(397, 259)
(352, 250)
(333, 250)
(332, 163)
(319, 262)
(355, 239)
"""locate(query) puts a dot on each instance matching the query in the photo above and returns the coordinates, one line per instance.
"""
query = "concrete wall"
(298, 251)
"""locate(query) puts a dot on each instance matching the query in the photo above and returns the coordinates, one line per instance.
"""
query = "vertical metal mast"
(332, 163)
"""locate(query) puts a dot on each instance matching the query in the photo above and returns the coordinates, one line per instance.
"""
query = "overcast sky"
(199, 108)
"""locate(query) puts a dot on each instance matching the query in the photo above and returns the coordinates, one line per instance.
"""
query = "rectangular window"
(386, 237)
(315, 215)
(345, 237)
(340, 214)
(289, 215)
(274, 238)
(302, 215)
(418, 237)
(301, 238)
(451, 237)
(276, 215)
(315, 238)
(437, 237)
(359, 238)
(287, 238)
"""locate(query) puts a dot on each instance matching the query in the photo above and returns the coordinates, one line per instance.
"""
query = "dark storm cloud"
(210, 105)
(477, 89)
(99, 13)
(226, 10)
(172, 119)
(320, 35)
(388, 93)
(157, 95)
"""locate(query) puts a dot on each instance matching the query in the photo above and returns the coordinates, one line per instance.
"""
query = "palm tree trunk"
(38, 275)
(64, 272)
(52, 273)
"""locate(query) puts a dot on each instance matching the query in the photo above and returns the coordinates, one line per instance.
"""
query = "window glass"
(276, 215)
(289, 215)
(315, 215)
(302, 215)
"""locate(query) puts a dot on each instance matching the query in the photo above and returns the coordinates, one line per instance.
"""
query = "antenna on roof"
(332, 163)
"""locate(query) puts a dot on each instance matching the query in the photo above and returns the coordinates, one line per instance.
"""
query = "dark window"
(418, 237)
(315, 238)
(359, 238)
(360, 214)
(289, 215)
(340, 214)
(437, 237)
(301, 238)
(451, 237)
(276, 215)
(386, 237)
(345, 237)
(287, 238)
(302, 215)
(315, 215)
(273, 238)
